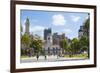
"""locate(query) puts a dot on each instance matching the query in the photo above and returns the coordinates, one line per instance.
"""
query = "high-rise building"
(56, 39)
(83, 31)
(48, 41)
(27, 25)
(52, 42)
(46, 32)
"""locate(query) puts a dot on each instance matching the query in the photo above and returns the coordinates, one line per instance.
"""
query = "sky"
(60, 22)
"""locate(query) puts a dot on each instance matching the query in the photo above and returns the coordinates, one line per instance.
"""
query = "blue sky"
(60, 22)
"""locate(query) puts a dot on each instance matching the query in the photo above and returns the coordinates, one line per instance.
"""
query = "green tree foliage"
(25, 39)
(75, 45)
(64, 43)
(87, 24)
(69, 50)
(84, 48)
(84, 42)
(86, 27)
(36, 43)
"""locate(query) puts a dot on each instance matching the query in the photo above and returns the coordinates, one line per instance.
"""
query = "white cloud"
(75, 18)
(66, 31)
(23, 27)
(36, 28)
(58, 20)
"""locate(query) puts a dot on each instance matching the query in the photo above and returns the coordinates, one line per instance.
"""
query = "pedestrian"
(37, 56)
(45, 57)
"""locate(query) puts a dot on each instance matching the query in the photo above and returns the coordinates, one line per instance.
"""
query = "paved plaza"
(48, 59)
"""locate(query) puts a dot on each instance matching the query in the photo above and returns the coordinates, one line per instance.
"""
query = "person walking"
(45, 57)
(37, 57)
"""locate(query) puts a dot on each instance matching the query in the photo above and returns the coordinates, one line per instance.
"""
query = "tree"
(36, 43)
(75, 46)
(86, 27)
(87, 24)
(25, 39)
(69, 49)
(84, 48)
(64, 44)
(84, 41)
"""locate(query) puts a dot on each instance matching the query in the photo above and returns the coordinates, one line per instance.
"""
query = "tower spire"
(27, 24)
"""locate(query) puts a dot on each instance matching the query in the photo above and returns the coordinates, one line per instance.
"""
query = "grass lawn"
(24, 56)
(77, 56)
